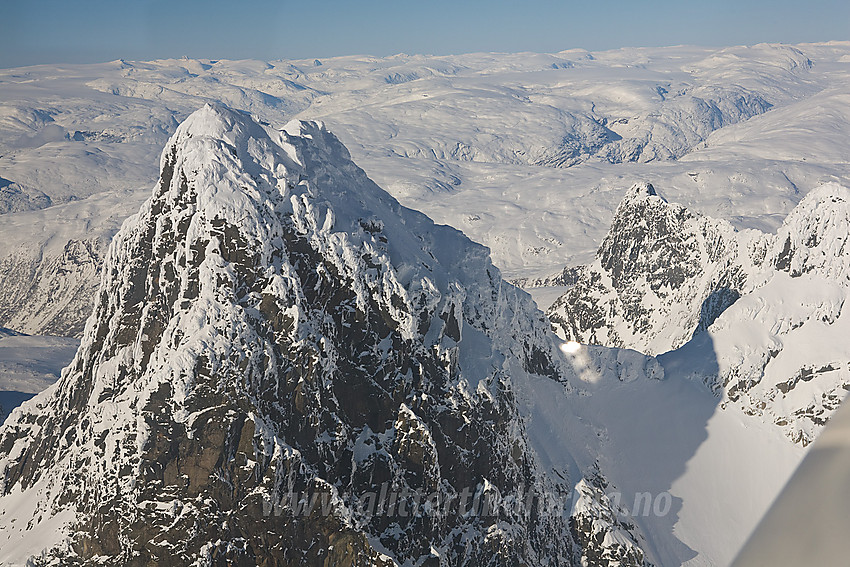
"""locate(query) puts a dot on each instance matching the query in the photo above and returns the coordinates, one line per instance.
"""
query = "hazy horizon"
(89, 31)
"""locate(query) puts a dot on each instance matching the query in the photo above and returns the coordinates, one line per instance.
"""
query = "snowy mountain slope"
(811, 129)
(695, 477)
(52, 295)
(817, 491)
(667, 280)
(415, 122)
(272, 321)
(51, 266)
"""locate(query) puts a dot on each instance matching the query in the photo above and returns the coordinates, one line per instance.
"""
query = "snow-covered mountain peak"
(304, 171)
(215, 121)
(237, 143)
(814, 236)
(664, 275)
(272, 324)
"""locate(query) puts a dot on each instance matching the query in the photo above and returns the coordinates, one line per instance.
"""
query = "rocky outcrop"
(765, 307)
(286, 367)
(659, 264)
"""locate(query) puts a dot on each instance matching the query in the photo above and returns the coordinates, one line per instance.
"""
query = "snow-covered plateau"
(268, 318)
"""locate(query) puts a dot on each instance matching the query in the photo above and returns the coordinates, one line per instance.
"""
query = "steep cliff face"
(273, 329)
(667, 280)
(662, 274)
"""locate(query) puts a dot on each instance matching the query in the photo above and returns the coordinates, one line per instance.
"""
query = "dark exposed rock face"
(770, 304)
(273, 324)
(662, 274)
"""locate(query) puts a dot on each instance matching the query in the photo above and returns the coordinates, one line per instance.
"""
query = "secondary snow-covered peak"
(664, 275)
(641, 205)
(814, 236)
(658, 263)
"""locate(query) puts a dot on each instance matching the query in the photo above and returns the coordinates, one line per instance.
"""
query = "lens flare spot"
(570, 347)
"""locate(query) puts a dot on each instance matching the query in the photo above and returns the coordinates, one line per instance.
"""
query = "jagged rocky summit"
(273, 325)
(756, 316)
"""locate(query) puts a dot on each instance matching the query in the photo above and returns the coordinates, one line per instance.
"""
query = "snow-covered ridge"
(667, 280)
(272, 321)
(813, 239)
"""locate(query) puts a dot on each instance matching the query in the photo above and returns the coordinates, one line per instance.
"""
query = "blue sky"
(64, 31)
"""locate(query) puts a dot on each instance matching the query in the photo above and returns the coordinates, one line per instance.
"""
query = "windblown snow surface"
(531, 155)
